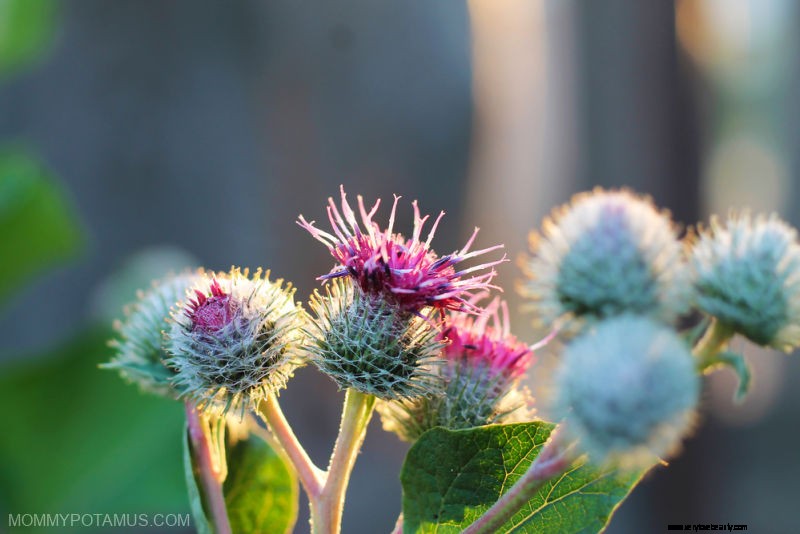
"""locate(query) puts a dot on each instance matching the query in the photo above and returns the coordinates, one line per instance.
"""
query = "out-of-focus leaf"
(450, 478)
(37, 226)
(77, 439)
(261, 491)
(26, 30)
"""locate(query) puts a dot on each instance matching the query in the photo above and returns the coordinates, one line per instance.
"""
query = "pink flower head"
(474, 341)
(406, 272)
(210, 314)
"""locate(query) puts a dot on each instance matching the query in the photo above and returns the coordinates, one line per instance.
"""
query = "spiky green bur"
(139, 348)
(604, 254)
(237, 342)
(365, 343)
(627, 389)
(470, 397)
(747, 275)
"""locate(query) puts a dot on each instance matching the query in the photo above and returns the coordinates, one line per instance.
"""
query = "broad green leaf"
(37, 226)
(26, 29)
(261, 491)
(450, 478)
(77, 439)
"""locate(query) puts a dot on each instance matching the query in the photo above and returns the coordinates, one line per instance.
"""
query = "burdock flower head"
(139, 347)
(607, 253)
(627, 389)
(236, 341)
(404, 272)
(483, 364)
(374, 329)
(747, 275)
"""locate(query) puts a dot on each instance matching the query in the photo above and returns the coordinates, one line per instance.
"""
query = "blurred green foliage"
(74, 439)
(79, 440)
(37, 225)
(26, 30)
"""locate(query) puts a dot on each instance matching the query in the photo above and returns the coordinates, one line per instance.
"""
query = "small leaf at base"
(738, 365)
(261, 491)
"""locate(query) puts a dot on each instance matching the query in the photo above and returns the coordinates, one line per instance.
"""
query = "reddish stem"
(211, 476)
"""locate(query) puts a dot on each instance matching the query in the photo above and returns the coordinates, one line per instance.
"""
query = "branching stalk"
(325, 489)
(311, 477)
(326, 512)
(711, 344)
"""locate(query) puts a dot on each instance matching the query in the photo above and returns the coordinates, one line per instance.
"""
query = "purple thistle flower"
(406, 272)
(491, 346)
(482, 366)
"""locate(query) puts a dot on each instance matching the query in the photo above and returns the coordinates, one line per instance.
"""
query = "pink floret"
(476, 341)
(407, 272)
(209, 314)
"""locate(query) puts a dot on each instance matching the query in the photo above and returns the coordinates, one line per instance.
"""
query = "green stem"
(552, 460)
(711, 344)
(210, 466)
(326, 511)
(311, 477)
(325, 489)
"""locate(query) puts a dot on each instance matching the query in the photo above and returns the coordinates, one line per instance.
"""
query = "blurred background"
(138, 137)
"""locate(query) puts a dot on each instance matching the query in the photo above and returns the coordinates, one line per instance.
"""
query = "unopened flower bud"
(236, 341)
(604, 254)
(747, 275)
(627, 389)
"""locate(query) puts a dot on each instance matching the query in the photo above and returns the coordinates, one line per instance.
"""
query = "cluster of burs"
(607, 274)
